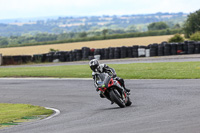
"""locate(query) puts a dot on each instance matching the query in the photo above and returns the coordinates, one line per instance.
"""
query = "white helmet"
(94, 63)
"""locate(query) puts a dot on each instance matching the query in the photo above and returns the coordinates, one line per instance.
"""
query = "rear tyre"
(115, 97)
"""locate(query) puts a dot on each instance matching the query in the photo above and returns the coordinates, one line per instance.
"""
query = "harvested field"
(30, 50)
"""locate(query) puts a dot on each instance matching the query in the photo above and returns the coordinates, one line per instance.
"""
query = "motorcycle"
(112, 90)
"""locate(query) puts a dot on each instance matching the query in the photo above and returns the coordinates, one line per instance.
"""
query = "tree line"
(88, 24)
(45, 38)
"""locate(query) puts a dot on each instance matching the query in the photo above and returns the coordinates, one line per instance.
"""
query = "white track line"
(56, 112)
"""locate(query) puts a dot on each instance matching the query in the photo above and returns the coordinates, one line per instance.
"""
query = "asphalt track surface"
(159, 106)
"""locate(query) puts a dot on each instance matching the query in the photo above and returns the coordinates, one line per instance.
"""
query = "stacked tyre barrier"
(85, 53)
(167, 49)
(135, 51)
(1, 58)
(153, 49)
(117, 53)
(123, 52)
(26, 58)
(15, 60)
(106, 53)
(111, 53)
(50, 56)
(161, 49)
(129, 52)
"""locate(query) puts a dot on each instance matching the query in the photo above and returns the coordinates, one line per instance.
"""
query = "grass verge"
(167, 70)
(11, 113)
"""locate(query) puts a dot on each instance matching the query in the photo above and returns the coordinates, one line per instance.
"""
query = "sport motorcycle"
(110, 88)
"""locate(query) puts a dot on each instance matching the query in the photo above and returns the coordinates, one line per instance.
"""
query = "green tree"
(104, 32)
(4, 41)
(176, 38)
(195, 36)
(176, 26)
(83, 34)
(131, 28)
(192, 23)
(157, 26)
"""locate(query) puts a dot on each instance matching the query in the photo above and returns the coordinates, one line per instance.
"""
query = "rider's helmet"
(94, 63)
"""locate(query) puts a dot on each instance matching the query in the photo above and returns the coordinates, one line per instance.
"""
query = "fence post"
(1, 59)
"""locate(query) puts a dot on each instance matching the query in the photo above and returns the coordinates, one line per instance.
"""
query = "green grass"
(167, 70)
(9, 113)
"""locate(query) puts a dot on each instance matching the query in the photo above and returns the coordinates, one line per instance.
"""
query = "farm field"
(30, 50)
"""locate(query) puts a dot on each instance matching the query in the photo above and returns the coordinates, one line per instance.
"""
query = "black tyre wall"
(197, 48)
(78, 54)
(37, 57)
(102, 51)
(49, 56)
(117, 53)
(129, 52)
(123, 52)
(106, 53)
(154, 49)
(161, 50)
(167, 49)
(173, 48)
(85, 53)
(135, 51)
(111, 53)
(191, 47)
(185, 47)
(180, 48)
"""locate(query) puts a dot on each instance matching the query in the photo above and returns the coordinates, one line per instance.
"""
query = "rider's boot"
(128, 90)
(123, 85)
(101, 95)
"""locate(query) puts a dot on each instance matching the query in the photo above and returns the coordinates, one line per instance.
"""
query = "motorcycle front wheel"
(116, 97)
(128, 102)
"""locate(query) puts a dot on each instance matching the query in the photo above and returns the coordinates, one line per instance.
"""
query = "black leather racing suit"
(104, 68)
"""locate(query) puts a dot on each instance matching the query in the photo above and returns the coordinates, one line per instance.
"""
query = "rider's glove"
(114, 75)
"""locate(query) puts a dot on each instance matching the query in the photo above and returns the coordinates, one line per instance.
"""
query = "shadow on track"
(115, 108)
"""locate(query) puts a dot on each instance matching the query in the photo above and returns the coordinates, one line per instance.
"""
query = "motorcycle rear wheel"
(117, 99)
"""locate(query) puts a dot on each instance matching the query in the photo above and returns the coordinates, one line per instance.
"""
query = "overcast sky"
(39, 8)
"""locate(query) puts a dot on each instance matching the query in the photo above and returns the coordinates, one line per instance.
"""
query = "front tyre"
(128, 102)
(116, 97)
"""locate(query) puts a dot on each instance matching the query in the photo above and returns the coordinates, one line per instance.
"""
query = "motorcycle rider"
(100, 68)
